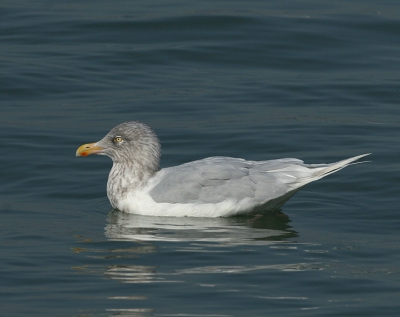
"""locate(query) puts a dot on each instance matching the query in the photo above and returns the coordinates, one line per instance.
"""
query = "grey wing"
(216, 179)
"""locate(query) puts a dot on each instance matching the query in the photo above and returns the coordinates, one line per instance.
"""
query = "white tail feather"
(321, 172)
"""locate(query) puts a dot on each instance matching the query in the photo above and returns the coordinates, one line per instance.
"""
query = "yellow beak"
(88, 149)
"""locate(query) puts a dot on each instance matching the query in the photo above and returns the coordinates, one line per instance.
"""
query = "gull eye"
(117, 139)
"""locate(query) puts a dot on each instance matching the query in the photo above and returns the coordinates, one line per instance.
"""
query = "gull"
(211, 187)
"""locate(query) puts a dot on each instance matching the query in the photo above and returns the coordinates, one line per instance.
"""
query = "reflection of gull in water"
(259, 229)
(179, 266)
(200, 235)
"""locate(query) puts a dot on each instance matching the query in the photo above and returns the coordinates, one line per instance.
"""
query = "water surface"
(316, 81)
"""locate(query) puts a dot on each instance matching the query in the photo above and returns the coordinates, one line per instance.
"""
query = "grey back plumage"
(216, 179)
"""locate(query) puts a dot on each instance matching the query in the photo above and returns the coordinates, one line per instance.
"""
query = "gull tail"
(322, 170)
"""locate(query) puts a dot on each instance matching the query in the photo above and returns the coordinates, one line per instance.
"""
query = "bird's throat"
(124, 179)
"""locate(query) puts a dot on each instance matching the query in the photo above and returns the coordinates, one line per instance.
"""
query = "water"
(255, 79)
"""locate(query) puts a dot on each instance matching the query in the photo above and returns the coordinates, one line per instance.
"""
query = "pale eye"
(117, 139)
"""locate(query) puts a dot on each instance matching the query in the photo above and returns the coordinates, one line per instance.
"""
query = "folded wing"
(217, 179)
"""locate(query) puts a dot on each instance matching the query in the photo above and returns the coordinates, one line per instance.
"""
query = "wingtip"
(361, 156)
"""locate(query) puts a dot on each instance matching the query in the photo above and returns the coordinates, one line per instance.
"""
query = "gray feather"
(214, 180)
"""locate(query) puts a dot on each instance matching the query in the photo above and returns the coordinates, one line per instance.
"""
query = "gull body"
(211, 187)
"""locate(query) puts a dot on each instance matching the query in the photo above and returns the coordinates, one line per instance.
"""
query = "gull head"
(128, 142)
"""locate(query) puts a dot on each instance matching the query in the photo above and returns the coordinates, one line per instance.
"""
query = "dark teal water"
(254, 79)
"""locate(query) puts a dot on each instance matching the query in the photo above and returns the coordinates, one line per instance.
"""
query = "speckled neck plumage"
(125, 178)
